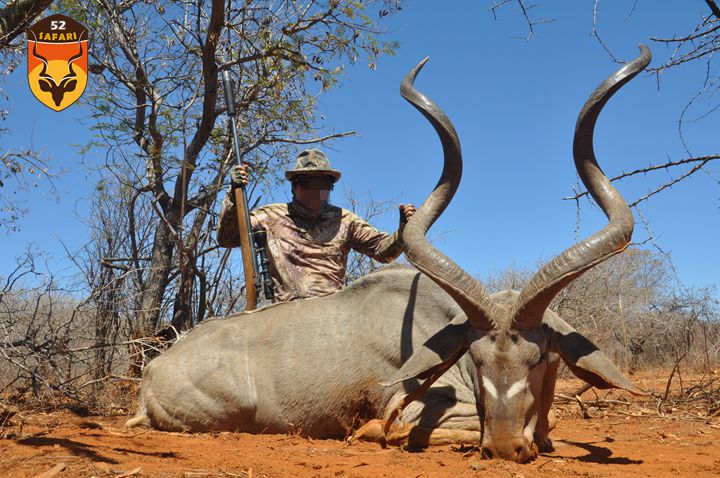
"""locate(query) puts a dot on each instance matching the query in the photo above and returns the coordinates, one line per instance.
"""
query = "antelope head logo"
(68, 82)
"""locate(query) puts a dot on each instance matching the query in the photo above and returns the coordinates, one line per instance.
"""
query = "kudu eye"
(514, 338)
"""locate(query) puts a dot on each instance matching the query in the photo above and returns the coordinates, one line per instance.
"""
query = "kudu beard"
(57, 60)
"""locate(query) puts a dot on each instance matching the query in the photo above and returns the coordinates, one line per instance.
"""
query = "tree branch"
(703, 160)
(715, 9)
(16, 16)
(208, 115)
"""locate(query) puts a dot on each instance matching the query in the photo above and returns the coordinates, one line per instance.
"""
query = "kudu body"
(311, 365)
(464, 366)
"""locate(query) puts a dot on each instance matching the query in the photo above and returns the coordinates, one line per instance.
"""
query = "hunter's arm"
(228, 233)
(381, 246)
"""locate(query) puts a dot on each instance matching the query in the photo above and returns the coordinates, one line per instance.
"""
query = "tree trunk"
(157, 280)
(182, 308)
(184, 316)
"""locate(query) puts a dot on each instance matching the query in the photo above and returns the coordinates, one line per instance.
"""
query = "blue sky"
(514, 104)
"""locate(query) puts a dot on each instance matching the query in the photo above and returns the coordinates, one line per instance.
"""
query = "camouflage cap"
(312, 162)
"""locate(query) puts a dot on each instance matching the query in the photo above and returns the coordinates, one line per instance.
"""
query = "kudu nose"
(513, 450)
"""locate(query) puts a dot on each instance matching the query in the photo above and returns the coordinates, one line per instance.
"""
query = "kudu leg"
(378, 429)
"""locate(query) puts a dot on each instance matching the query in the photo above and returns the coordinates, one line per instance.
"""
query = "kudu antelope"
(461, 365)
(48, 84)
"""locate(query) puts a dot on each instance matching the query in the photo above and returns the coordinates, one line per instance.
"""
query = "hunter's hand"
(239, 176)
(406, 212)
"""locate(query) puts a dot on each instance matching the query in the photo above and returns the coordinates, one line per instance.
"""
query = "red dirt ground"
(617, 441)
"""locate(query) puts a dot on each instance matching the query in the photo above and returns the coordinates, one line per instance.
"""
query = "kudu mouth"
(520, 453)
(529, 308)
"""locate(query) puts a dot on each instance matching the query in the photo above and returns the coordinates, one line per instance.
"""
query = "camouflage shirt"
(308, 255)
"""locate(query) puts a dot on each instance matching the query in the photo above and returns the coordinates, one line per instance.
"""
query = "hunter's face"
(313, 191)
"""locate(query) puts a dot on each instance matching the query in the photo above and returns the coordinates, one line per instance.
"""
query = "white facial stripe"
(489, 387)
(516, 387)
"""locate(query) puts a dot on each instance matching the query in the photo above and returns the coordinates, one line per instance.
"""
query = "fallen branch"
(136, 471)
(54, 471)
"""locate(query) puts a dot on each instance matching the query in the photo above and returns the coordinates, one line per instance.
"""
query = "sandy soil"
(616, 441)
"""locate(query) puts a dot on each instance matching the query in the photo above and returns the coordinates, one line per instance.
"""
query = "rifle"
(250, 267)
(260, 237)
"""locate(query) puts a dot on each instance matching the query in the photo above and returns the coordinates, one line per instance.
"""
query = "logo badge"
(57, 61)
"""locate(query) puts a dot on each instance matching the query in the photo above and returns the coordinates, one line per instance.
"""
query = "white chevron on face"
(516, 387)
(489, 387)
(513, 390)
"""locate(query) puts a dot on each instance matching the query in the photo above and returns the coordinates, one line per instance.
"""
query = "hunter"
(309, 239)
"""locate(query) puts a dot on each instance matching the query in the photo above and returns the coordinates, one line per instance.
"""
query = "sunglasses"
(315, 182)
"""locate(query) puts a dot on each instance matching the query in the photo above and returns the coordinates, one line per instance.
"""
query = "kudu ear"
(45, 85)
(437, 354)
(68, 84)
(585, 360)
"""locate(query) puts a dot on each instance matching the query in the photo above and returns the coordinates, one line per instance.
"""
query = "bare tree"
(56, 349)
(110, 271)
(35, 327)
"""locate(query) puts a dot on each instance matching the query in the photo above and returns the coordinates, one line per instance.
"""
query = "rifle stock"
(246, 247)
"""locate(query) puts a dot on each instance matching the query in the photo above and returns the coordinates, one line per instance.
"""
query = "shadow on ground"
(75, 447)
(596, 454)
